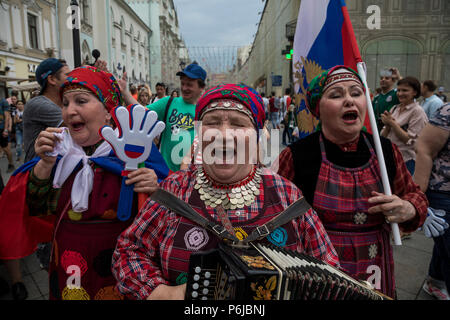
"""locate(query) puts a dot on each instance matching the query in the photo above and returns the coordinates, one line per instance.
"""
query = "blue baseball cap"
(193, 71)
(47, 67)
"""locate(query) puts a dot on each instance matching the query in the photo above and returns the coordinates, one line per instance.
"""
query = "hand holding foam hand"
(435, 224)
(137, 128)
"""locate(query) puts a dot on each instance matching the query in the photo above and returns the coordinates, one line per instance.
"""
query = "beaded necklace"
(229, 196)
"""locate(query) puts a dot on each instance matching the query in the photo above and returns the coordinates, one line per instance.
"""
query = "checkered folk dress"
(360, 239)
(156, 248)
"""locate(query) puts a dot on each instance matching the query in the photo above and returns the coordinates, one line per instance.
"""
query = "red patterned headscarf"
(241, 94)
(102, 84)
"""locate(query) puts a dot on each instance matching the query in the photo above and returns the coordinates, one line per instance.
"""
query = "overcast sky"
(218, 22)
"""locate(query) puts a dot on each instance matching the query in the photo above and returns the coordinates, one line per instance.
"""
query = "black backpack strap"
(171, 202)
(295, 210)
(165, 118)
(183, 209)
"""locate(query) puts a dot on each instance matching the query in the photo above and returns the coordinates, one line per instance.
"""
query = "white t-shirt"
(155, 99)
(266, 104)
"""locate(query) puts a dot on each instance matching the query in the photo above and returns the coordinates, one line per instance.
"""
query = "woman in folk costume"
(338, 172)
(77, 179)
(151, 259)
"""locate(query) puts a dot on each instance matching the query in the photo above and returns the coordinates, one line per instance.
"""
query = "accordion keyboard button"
(205, 291)
(194, 294)
(197, 269)
(207, 274)
(196, 277)
(204, 298)
(206, 283)
(195, 286)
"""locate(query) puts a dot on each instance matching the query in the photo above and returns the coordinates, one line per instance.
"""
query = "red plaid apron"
(361, 240)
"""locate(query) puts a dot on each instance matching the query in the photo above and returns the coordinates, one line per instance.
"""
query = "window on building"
(132, 39)
(403, 54)
(415, 6)
(86, 53)
(85, 7)
(122, 31)
(112, 24)
(32, 31)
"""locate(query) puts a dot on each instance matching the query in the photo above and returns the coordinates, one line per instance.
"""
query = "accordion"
(267, 272)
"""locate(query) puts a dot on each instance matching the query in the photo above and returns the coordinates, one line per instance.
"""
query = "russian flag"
(324, 38)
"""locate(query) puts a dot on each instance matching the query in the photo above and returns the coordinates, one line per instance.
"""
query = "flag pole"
(376, 137)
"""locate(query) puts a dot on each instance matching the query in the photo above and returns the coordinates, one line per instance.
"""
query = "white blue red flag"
(324, 38)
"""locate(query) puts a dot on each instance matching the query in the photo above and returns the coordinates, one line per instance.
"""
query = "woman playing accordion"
(152, 256)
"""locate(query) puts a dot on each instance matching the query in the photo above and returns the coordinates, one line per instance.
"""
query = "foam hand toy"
(137, 128)
(435, 224)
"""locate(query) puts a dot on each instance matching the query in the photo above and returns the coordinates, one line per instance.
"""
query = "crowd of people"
(63, 202)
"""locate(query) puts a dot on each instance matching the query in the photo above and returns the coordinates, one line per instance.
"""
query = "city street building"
(117, 32)
(34, 30)
(412, 36)
(240, 69)
(268, 69)
(168, 53)
(28, 36)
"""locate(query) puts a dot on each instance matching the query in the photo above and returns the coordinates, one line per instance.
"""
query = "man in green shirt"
(177, 138)
(388, 96)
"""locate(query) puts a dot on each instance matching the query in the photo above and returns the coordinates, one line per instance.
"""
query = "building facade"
(413, 36)
(117, 32)
(129, 43)
(266, 64)
(168, 53)
(28, 35)
(239, 74)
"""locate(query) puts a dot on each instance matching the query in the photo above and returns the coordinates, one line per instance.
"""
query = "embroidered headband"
(77, 88)
(241, 95)
(227, 104)
(325, 80)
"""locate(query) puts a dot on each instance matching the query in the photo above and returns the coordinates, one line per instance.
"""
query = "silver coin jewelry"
(235, 196)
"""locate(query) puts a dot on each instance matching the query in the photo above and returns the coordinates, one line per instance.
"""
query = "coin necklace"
(229, 196)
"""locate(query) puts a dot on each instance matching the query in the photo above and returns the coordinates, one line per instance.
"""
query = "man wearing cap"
(44, 110)
(178, 115)
(388, 96)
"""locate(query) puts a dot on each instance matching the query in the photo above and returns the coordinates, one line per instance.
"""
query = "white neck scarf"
(72, 154)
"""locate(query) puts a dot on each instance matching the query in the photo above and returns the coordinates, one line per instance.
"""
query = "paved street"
(411, 266)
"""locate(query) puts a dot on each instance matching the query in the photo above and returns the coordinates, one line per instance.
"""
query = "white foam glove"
(435, 225)
(137, 128)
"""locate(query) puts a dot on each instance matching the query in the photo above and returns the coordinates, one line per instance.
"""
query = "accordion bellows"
(266, 272)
